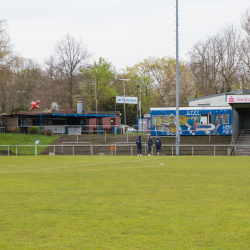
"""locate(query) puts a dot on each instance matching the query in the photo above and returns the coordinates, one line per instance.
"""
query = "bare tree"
(244, 51)
(8, 60)
(230, 62)
(28, 77)
(245, 21)
(205, 60)
(215, 63)
(63, 69)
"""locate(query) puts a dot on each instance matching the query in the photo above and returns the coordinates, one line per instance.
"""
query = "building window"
(205, 118)
(204, 104)
(225, 119)
(218, 118)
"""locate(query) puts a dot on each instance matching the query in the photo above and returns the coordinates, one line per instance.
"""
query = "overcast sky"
(122, 31)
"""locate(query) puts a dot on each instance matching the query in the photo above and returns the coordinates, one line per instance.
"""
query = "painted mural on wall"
(192, 122)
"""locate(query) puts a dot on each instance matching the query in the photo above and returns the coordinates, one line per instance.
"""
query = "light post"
(21, 92)
(95, 95)
(177, 81)
(139, 86)
(124, 98)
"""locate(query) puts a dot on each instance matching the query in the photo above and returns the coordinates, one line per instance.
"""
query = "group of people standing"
(150, 144)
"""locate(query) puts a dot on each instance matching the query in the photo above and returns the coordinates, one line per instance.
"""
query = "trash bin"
(115, 130)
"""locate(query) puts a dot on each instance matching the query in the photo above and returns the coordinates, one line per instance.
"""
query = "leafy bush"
(17, 130)
(42, 132)
(33, 130)
(20, 107)
(48, 132)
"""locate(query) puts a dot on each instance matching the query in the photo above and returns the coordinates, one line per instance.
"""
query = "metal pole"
(124, 102)
(137, 111)
(177, 81)
(95, 95)
(140, 101)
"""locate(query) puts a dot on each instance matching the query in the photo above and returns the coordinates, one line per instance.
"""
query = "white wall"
(215, 101)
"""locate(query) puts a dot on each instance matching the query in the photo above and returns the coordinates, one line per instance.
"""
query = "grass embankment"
(90, 202)
(25, 139)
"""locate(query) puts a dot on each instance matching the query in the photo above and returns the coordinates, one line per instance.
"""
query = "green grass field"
(25, 139)
(124, 202)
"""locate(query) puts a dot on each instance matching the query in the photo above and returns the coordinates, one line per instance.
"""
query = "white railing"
(15, 149)
(90, 129)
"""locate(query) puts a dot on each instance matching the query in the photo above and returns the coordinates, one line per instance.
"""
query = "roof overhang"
(76, 115)
(240, 105)
(55, 115)
(239, 101)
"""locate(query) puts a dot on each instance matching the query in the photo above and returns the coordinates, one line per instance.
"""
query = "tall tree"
(98, 85)
(157, 79)
(245, 21)
(28, 77)
(215, 63)
(64, 69)
(8, 60)
(244, 51)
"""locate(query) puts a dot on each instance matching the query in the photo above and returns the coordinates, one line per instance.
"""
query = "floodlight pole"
(139, 86)
(177, 138)
(95, 95)
(124, 97)
(140, 101)
(124, 102)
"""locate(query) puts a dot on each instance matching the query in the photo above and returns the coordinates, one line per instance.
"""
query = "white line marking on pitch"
(44, 169)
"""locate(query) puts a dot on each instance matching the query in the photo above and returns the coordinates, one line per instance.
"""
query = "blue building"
(192, 121)
(221, 114)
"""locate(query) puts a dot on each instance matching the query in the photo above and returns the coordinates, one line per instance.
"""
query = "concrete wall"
(10, 124)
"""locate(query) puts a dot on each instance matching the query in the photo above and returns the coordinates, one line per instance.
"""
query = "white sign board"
(128, 99)
(238, 98)
(56, 129)
(74, 131)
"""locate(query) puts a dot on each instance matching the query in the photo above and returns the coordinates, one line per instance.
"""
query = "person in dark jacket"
(150, 144)
(158, 145)
(138, 143)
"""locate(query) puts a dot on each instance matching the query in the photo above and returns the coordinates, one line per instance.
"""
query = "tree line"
(217, 64)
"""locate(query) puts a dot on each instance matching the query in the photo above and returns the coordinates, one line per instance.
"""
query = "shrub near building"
(33, 130)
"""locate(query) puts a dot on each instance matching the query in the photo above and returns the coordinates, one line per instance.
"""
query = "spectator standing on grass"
(158, 145)
(150, 144)
(138, 143)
